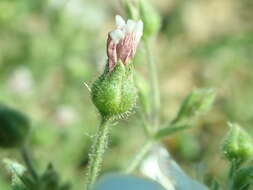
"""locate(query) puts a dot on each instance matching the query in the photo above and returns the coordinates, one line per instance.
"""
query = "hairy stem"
(155, 94)
(28, 162)
(96, 156)
(139, 157)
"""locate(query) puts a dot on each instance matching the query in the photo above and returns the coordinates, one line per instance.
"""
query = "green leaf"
(164, 132)
(18, 187)
(215, 185)
(198, 102)
(243, 178)
(65, 187)
(28, 182)
(50, 179)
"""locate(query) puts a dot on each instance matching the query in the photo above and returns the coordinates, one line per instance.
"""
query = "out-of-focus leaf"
(199, 101)
(164, 132)
(189, 148)
(230, 43)
(125, 182)
(215, 185)
(243, 178)
(162, 168)
(19, 187)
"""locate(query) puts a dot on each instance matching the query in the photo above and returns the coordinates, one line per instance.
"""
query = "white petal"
(130, 25)
(117, 35)
(139, 29)
(120, 22)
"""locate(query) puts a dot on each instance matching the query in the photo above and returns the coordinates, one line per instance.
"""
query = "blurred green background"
(49, 48)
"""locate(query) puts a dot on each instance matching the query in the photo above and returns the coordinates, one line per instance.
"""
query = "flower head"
(123, 41)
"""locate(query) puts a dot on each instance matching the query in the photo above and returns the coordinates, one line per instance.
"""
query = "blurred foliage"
(48, 49)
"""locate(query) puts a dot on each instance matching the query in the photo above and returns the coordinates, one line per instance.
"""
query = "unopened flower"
(238, 144)
(114, 93)
(14, 127)
(123, 41)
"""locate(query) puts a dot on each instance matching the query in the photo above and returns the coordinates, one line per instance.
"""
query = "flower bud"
(150, 18)
(114, 93)
(14, 127)
(197, 102)
(238, 145)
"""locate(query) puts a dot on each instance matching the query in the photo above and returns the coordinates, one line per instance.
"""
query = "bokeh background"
(50, 48)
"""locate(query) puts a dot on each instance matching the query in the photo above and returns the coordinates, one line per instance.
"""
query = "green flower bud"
(197, 102)
(14, 127)
(114, 93)
(150, 18)
(238, 145)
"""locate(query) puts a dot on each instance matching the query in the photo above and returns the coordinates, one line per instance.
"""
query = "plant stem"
(154, 117)
(139, 157)
(231, 170)
(155, 94)
(233, 167)
(96, 156)
(28, 162)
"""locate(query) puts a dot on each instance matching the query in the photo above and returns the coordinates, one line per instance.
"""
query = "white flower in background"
(65, 115)
(88, 14)
(21, 81)
(123, 41)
